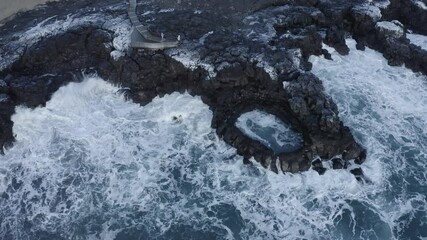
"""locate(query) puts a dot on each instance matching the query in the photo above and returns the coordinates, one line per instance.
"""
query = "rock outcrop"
(243, 60)
(238, 88)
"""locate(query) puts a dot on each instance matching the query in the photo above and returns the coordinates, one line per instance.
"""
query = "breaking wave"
(92, 165)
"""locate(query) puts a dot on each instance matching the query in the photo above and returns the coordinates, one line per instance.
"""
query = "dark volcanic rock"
(379, 26)
(239, 58)
(307, 39)
(7, 108)
(299, 17)
(411, 13)
(4, 88)
(336, 39)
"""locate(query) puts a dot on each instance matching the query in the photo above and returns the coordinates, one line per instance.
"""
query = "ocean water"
(270, 131)
(386, 109)
(91, 165)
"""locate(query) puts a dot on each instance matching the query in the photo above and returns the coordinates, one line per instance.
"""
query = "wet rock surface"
(237, 61)
(388, 33)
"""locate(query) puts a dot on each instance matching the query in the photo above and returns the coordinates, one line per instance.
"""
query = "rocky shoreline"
(236, 62)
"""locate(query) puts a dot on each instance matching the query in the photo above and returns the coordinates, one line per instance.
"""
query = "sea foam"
(92, 165)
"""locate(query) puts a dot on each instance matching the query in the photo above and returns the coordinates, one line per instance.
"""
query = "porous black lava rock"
(381, 25)
(236, 89)
(257, 58)
(412, 13)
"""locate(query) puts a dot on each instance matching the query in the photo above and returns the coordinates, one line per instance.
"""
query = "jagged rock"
(312, 106)
(365, 17)
(32, 92)
(4, 88)
(366, 13)
(411, 13)
(7, 108)
(338, 163)
(336, 39)
(363, 22)
(396, 52)
(320, 170)
(392, 29)
(298, 17)
(317, 163)
(336, 12)
(358, 173)
(241, 83)
(307, 39)
(382, 4)
(326, 54)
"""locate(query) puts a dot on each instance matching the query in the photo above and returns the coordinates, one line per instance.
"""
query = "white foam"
(373, 12)
(262, 26)
(122, 30)
(261, 63)
(166, 10)
(383, 4)
(420, 4)
(191, 59)
(147, 13)
(385, 108)
(269, 130)
(418, 39)
(203, 38)
(394, 27)
(53, 26)
(123, 166)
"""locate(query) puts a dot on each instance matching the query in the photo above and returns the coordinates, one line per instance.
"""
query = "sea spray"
(92, 165)
(386, 109)
(269, 130)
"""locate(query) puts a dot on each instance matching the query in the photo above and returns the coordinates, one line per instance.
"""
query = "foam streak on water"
(418, 39)
(269, 130)
(92, 166)
(386, 109)
(54, 25)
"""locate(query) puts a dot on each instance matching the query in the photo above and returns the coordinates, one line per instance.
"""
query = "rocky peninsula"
(237, 56)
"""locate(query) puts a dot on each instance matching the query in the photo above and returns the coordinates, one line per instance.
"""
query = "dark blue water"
(270, 131)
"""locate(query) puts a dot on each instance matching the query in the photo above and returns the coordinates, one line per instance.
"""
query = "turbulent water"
(386, 109)
(270, 131)
(91, 165)
(417, 39)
